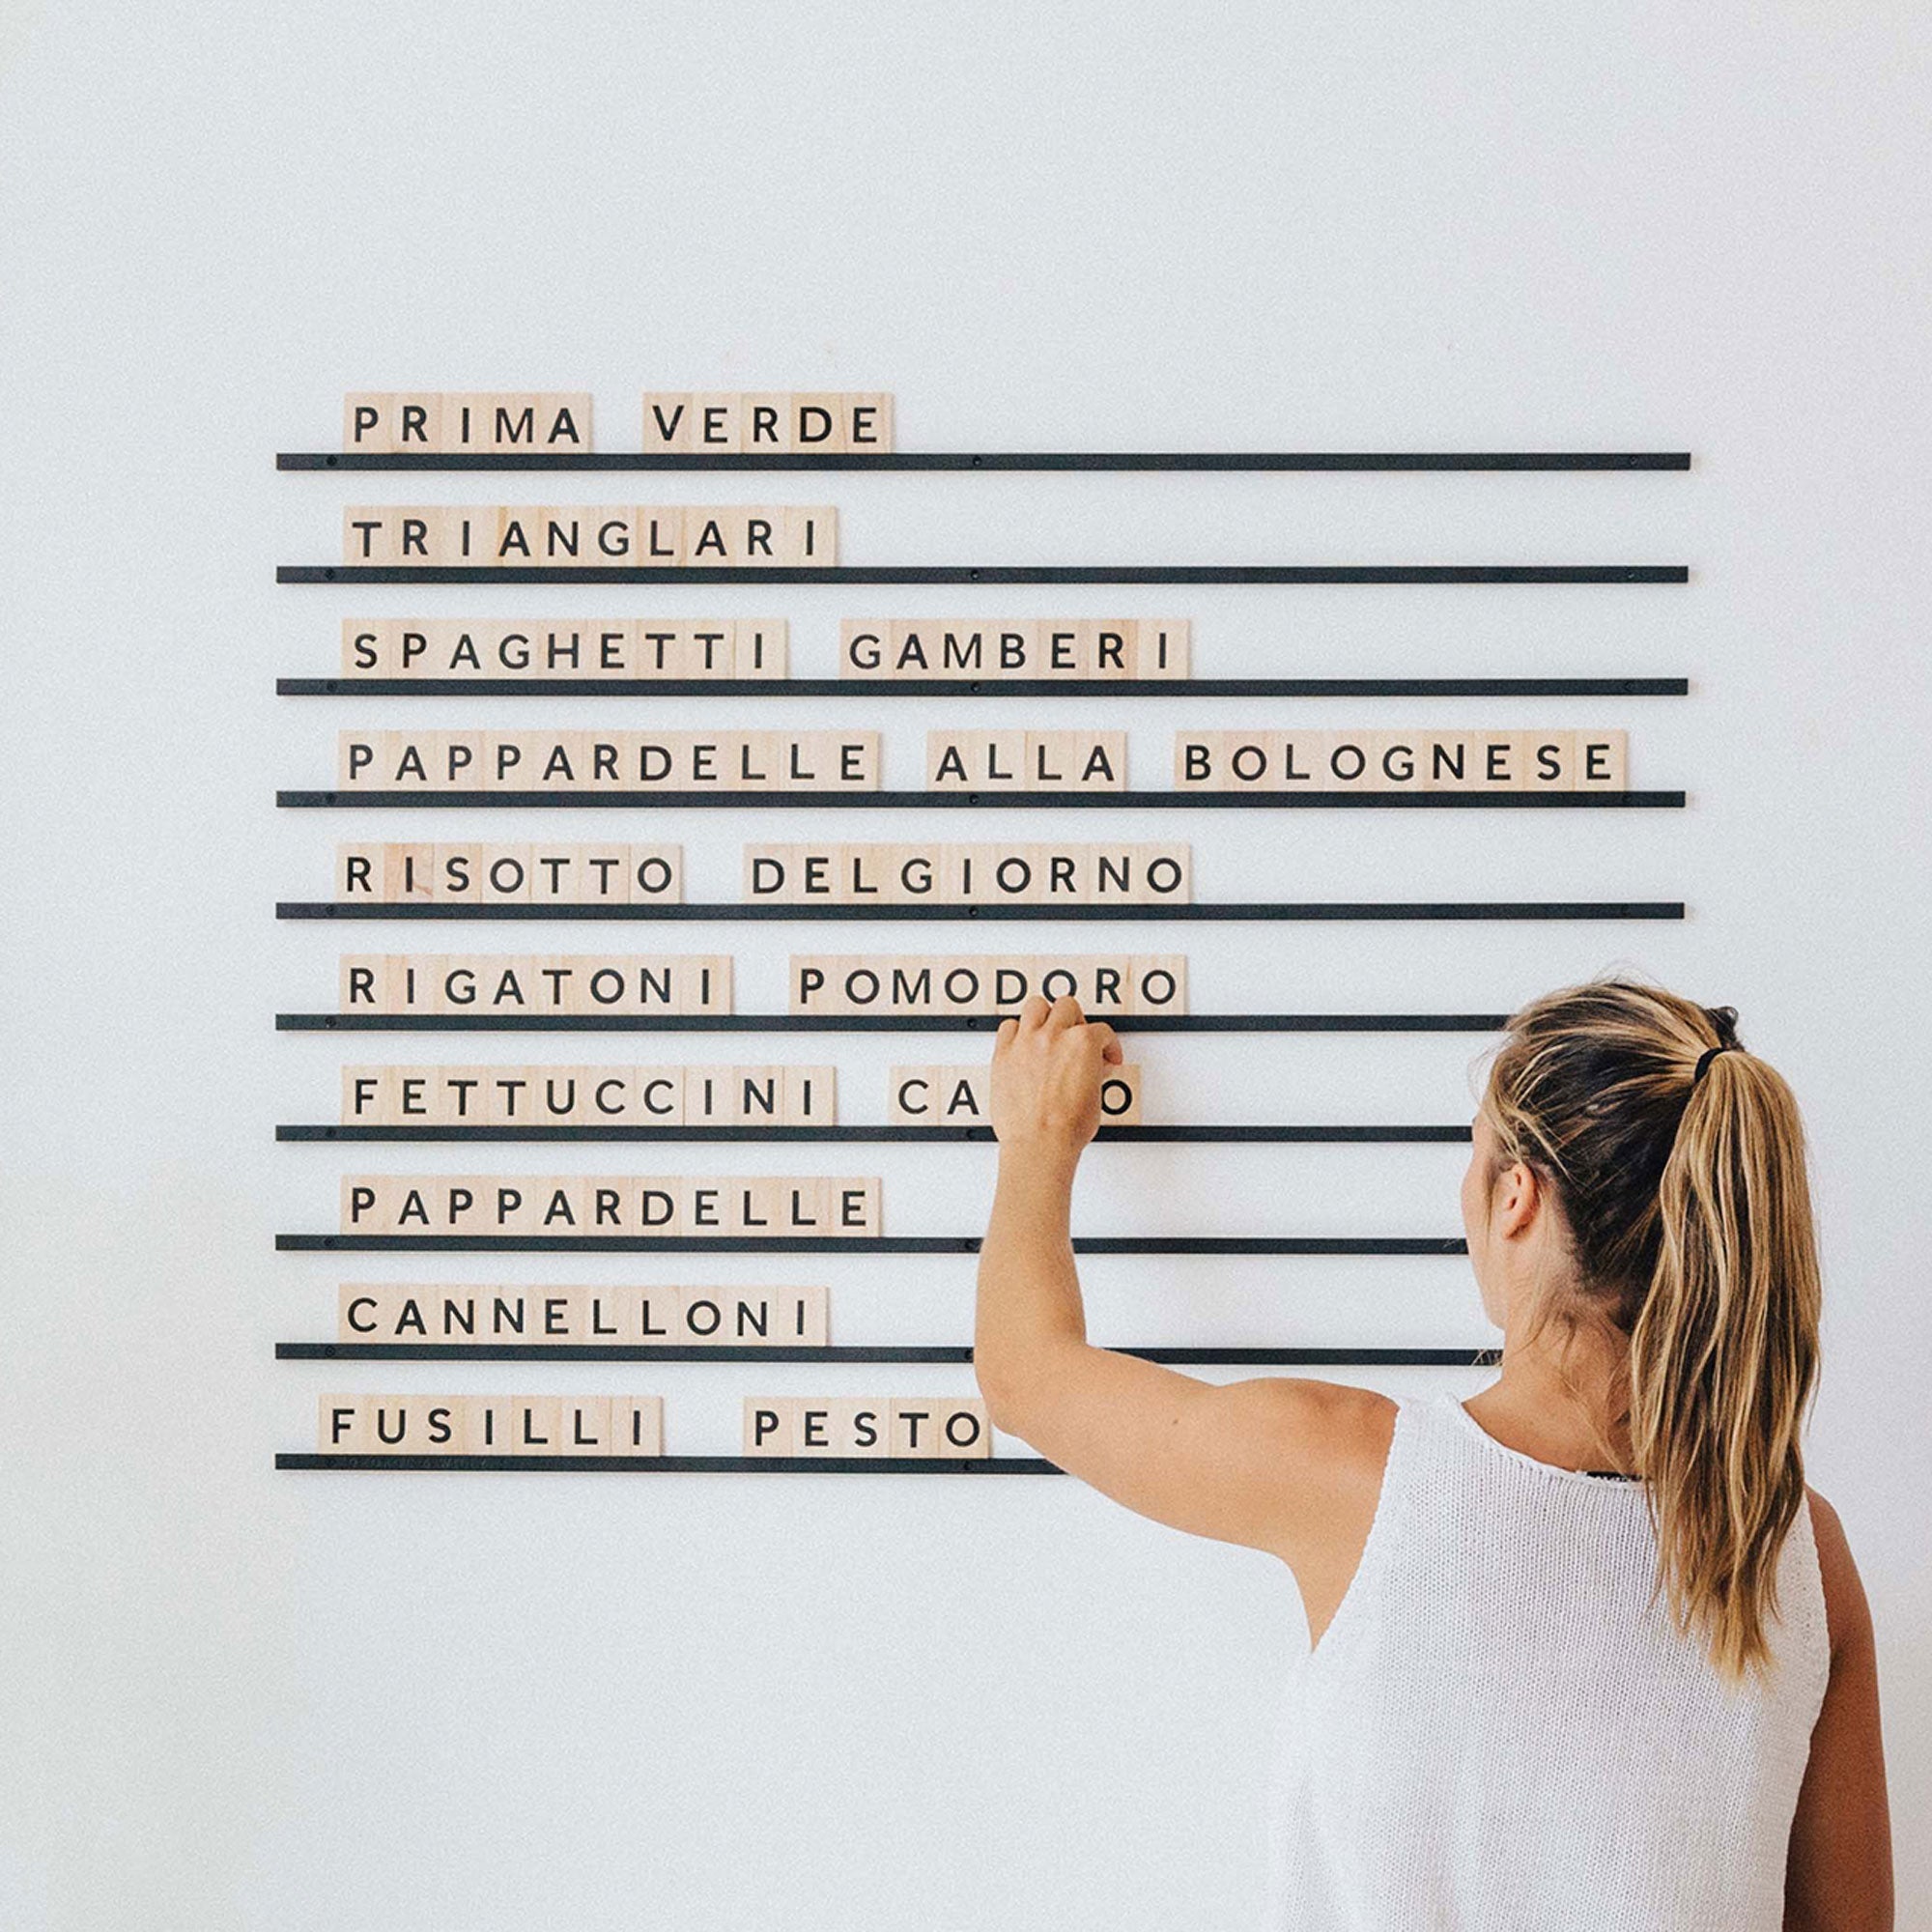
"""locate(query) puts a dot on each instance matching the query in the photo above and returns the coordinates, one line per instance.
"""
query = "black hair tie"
(1711, 1053)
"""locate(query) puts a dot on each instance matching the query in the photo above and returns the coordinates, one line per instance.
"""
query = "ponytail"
(1678, 1160)
(1723, 1356)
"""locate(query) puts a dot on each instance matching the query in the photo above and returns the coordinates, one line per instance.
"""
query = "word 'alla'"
(544, 1095)
(962, 985)
(633, 1316)
(1035, 648)
(607, 760)
(944, 874)
(611, 1206)
(509, 875)
(1398, 760)
(583, 648)
(888, 1426)
(608, 536)
(505, 983)
(490, 1425)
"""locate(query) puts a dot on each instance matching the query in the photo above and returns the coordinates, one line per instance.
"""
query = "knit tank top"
(1496, 1731)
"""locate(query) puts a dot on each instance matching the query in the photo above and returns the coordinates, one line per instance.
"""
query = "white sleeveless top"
(1496, 1732)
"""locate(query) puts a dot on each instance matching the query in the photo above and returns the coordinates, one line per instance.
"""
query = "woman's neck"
(1561, 1398)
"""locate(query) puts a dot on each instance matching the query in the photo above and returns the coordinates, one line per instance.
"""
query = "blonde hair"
(1686, 1208)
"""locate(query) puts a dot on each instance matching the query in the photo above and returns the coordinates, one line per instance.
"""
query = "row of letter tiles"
(562, 874)
(672, 647)
(1106, 985)
(385, 422)
(1401, 760)
(623, 1317)
(490, 1425)
(968, 874)
(607, 760)
(828, 422)
(556, 984)
(867, 1426)
(1025, 647)
(501, 1097)
(962, 1097)
(610, 1204)
(566, 536)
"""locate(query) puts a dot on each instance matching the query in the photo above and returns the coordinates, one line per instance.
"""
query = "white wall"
(239, 1698)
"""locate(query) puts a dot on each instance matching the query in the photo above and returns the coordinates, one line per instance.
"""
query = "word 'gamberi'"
(1009, 648)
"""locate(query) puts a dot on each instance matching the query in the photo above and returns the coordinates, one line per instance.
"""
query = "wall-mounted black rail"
(860, 1244)
(869, 1131)
(662, 1466)
(1024, 801)
(906, 459)
(968, 1023)
(1209, 912)
(945, 686)
(992, 573)
(1475, 1355)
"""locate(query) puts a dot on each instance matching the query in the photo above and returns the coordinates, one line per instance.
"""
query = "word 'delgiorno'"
(584, 649)
(607, 760)
(633, 1316)
(490, 1425)
(964, 648)
(662, 1096)
(1106, 985)
(944, 874)
(732, 422)
(962, 1097)
(610, 1204)
(427, 420)
(587, 536)
(867, 1426)
(1392, 760)
(509, 875)
(509, 983)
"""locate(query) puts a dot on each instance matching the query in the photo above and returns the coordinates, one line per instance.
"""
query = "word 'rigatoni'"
(1427, 760)
(944, 874)
(886, 1426)
(509, 875)
(566, 761)
(610, 1204)
(962, 1097)
(1026, 760)
(619, 1317)
(585, 649)
(966, 648)
(731, 422)
(591, 536)
(388, 421)
(576, 1097)
(497, 984)
(1106, 985)
(490, 1425)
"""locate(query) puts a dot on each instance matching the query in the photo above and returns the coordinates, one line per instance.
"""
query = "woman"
(1585, 1651)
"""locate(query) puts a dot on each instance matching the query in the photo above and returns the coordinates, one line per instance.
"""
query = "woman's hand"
(1047, 1080)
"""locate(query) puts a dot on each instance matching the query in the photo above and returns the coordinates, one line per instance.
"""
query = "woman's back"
(1498, 1728)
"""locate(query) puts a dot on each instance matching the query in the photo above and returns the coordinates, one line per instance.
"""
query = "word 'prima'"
(613, 1204)
(943, 875)
(1029, 647)
(490, 1425)
(731, 422)
(611, 535)
(962, 1097)
(585, 648)
(1424, 760)
(629, 1317)
(607, 760)
(867, 1426)
(509, 983)
(643, 1096)
(438, 420)
(1106, 985)
(500, 874)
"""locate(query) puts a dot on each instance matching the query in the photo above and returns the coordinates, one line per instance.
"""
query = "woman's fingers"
(1065, 1012)
(1112, 1053)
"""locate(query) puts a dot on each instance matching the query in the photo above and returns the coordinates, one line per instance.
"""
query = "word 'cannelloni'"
(610, 1204)
(664, 1097)
(567, 761)
(1412, 761)
(509, 875)
(490, 1425)
(867, 1426)
(579, 648)
(1022, 648)
(516, 985)
(946, 874)
(641, 536)
(1104, 983)
(616, 1317)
